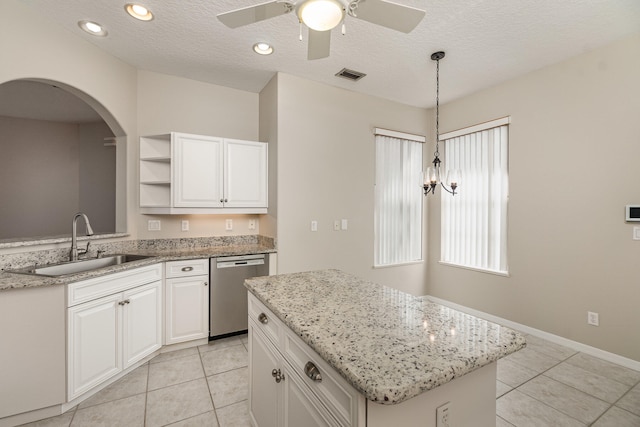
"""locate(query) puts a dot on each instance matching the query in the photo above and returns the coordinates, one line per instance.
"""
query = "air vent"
(350, 74)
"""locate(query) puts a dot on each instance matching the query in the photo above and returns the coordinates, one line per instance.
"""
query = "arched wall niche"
(64, 152)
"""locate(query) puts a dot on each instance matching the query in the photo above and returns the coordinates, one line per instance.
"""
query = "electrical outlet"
(153, 225)
(252, 224)
(593, 318)
(228, 225)
(185, 225)
(443, 415)
(314, 225)
(336, 225)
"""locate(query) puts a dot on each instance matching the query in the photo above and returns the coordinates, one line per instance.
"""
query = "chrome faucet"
(73, 254)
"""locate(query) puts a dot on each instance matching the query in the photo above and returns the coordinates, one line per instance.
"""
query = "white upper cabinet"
(189, 174)
(245, 183)
(198, 171)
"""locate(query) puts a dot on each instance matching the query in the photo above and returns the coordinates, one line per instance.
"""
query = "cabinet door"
(264, 392)
(94, 353)
(301, 407)
(197, 171)
(187, 309)
(245, 183)
(142, 322)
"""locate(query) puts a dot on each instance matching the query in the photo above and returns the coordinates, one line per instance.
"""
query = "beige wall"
(33, 48)
(573, 167)
(269, 133)
(174, 104)
(326, 158)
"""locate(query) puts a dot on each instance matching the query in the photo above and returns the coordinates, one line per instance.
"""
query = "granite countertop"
(391, 346)
(10, 280)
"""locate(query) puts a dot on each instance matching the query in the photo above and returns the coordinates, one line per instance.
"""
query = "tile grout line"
(206, 380)
(545, 404)
(146, 393)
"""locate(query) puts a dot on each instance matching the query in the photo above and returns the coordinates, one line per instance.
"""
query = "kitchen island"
(394, 358)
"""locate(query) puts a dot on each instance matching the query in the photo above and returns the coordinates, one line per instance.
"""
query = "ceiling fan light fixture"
(263, 48)
(321, 15)
(93, 28)
(138, 11)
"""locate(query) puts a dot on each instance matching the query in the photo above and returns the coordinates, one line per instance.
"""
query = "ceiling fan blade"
(251, 14)
(390, 15)
(319, 44)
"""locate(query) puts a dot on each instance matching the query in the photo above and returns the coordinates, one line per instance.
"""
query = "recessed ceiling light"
(92, 28)
(263, 48)
(139, 12)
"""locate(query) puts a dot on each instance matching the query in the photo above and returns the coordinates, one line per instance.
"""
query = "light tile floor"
(543, 385)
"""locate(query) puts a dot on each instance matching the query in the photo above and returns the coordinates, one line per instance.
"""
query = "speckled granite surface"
(160, 250)
(391, 346)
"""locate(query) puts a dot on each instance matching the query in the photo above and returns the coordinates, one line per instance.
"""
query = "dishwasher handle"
(221, 263)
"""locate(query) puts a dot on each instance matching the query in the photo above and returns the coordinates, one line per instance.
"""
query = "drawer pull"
(262, 318)
(278, 375)
(206, 284)
(187, 268)
(313, 372)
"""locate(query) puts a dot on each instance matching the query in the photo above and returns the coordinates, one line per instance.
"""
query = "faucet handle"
(84, 251)
(99, 253)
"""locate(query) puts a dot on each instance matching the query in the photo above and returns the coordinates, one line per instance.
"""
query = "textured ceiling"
(486, 42)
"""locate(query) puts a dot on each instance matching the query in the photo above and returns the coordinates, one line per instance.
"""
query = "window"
(474, 221)
(398, 198)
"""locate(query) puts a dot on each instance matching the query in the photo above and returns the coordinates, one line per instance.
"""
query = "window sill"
(480, 270)
(420, 261)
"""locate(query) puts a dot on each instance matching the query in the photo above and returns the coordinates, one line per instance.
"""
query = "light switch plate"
(636, 233)
(314, 225)
(228, 225)
(343, 225)
(252, 224)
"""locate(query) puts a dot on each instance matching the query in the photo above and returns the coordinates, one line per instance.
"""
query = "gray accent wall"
(51, 170)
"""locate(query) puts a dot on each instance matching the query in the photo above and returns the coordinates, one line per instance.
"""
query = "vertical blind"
(474, 221)
(398, 201)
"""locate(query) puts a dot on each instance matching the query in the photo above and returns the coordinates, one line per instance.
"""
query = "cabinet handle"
(313, 372)
(279, 376)
(206, 284)
(127, 301)
(121, 303)
(187, 268)
(226, 200)
(262, 318)
(221, 200)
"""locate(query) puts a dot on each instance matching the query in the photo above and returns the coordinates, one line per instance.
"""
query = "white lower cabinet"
(112, 332)
(282, 391)
(187, 300)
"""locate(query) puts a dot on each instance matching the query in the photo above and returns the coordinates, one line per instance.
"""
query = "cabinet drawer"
(109, 284)
(190, 267)
(266, 321)
(339, 396)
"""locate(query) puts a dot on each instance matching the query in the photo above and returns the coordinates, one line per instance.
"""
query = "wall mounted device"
(633, 213)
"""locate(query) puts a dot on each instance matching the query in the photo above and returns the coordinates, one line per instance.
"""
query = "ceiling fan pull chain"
(344, 28)
(300, 37)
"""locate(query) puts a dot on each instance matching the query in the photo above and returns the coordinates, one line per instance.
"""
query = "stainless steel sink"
(72, 267)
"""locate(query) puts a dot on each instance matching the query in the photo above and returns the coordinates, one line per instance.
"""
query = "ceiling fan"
(321, 16)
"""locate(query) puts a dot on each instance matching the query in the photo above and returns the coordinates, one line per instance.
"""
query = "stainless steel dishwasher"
(228, 296)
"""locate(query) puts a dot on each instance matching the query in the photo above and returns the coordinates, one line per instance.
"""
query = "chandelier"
(432, 176)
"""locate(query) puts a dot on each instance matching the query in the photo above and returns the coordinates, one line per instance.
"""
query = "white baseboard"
(592, 351)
